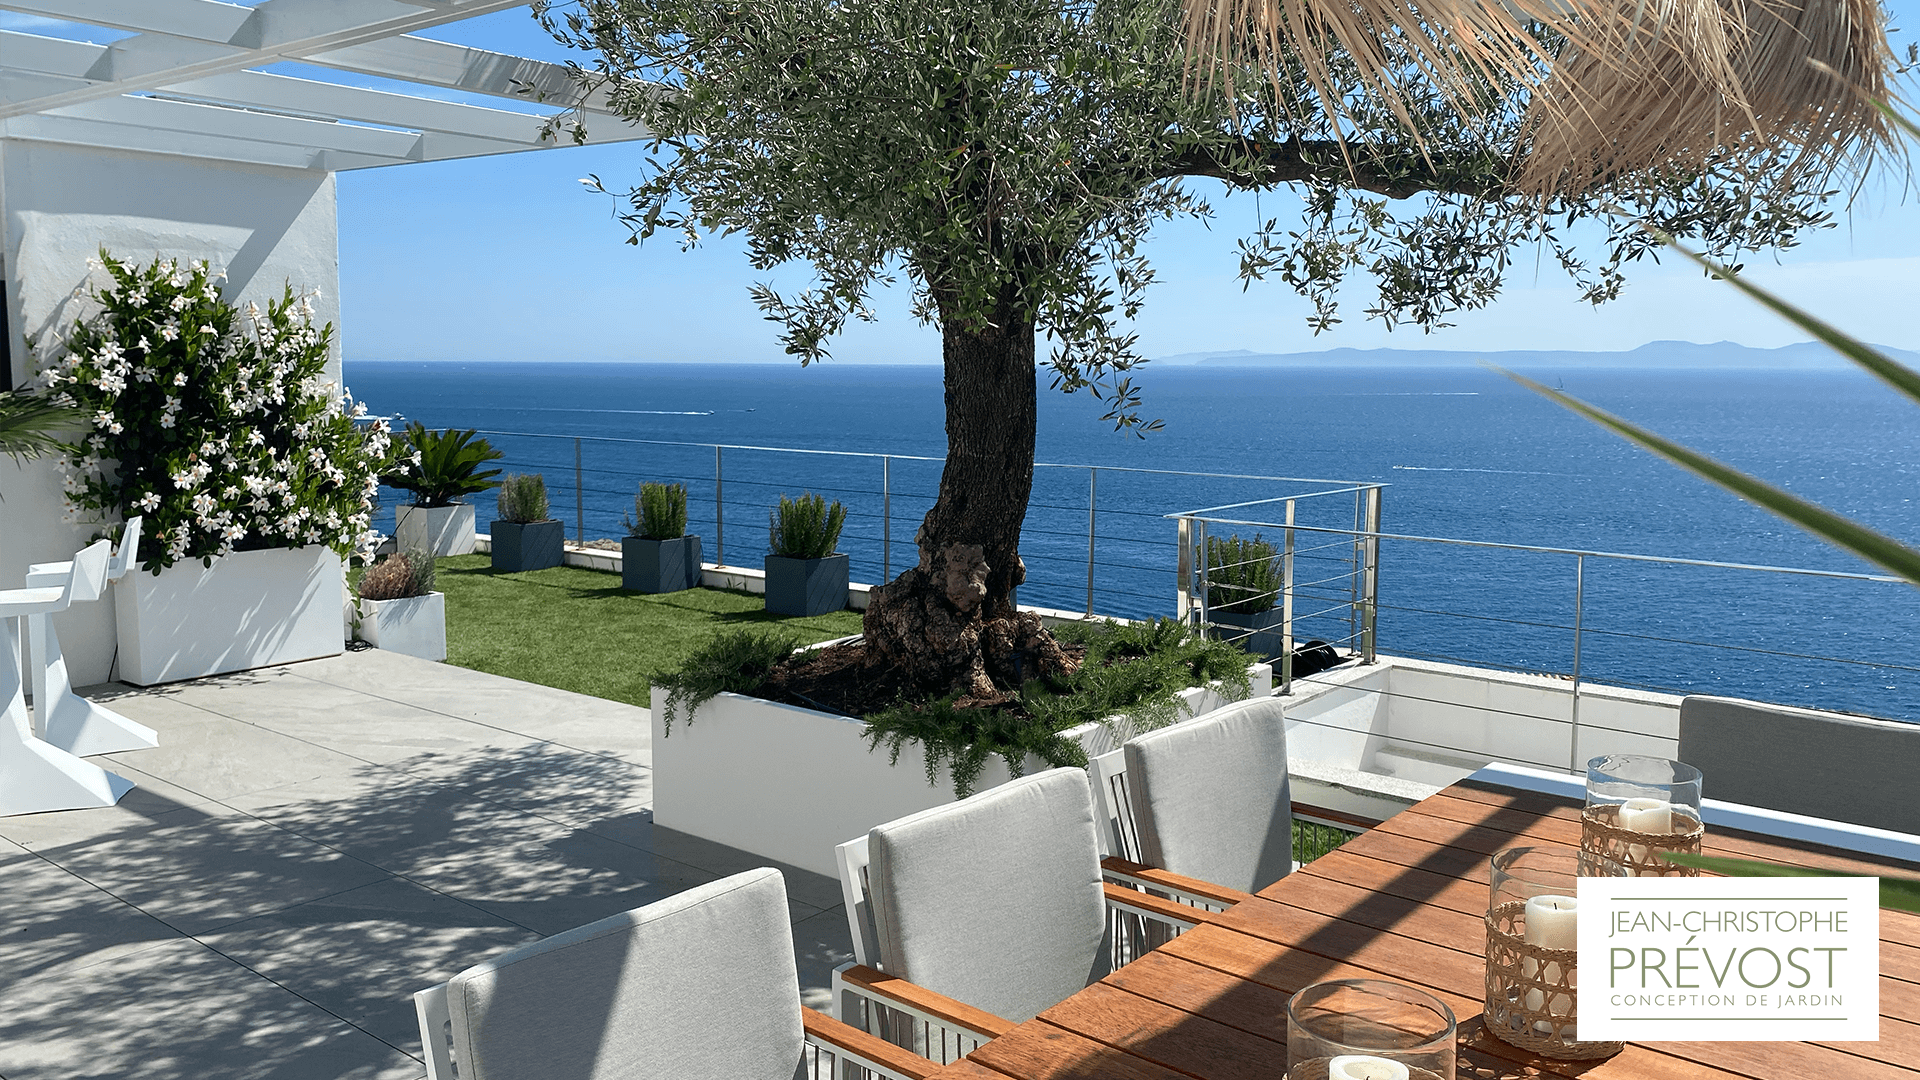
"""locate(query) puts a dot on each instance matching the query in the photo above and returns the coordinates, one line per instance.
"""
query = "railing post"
(1579, 595)
(886, 519)
(1202, 578)
(579, 499)
(1093, 491)
(719, 514)
(1370, 593)
(1353, 575)
(1286, 608)
(1183, 571)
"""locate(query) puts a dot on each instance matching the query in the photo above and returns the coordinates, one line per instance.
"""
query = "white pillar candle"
(1552, 923)
(1653, 816)
(1365, 1067)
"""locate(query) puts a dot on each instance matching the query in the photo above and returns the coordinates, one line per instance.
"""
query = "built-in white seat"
(36, 776)
(60, 716)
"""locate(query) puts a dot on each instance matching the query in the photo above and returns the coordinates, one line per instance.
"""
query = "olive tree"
(1007, 158)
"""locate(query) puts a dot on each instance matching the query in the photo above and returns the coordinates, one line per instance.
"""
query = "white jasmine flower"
(148, 502)
(179, 378)
(178, 303)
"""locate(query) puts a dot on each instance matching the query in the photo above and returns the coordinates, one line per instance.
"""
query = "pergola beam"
(458, 67)
(181, 40)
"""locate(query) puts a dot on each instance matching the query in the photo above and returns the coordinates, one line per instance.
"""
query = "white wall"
(58, 206)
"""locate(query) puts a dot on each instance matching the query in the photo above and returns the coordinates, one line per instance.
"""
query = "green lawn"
(579, 630)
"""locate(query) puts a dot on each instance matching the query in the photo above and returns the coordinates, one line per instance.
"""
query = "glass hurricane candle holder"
(1368, 1029)
(1533, 994)
(1638, 807)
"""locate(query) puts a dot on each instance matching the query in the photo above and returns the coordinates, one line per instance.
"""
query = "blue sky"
(510, 258)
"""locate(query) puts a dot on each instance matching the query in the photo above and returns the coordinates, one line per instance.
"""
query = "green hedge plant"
(661, 510)
(805, 528)
(522, 498)
(442, 467)
(1243, 576)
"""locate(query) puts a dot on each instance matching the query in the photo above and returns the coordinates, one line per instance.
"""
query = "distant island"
(1725, 355)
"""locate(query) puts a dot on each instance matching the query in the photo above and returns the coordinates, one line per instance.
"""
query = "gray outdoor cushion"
(1843, 768)
(994, 900)
(699, 986)
(1210, 796)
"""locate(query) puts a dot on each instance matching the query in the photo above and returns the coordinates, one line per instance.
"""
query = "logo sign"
(1755, 959)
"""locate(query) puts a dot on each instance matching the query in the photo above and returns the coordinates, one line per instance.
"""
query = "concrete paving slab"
(545, 778)
(202, 876)
(638, 830)
(180, 1010)
(557, 881)
(53, 921)
(217, 757)
(362, 954)
(820, 944)
(153, 802)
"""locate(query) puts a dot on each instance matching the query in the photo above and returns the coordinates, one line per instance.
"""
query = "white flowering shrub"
(215, 423)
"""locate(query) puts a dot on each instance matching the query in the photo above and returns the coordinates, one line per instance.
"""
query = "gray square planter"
(659, 566)
(535, 545)
(806, 586)
(1265, 641)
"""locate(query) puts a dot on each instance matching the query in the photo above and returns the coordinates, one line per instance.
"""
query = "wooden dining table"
(1405, 901)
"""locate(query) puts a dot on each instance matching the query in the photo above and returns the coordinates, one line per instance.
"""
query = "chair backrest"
(1210, 795)
(994, 900)
(858, 898)
(1113, 813)
(1844, 768)
(699, 986)
(89, 577)
(128, 552)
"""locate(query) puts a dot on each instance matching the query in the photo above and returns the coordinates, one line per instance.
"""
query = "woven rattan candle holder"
(1602, 838)
(1533, 990)
(1637, 808)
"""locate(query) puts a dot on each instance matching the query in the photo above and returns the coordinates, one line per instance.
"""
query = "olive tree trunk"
(949, 624)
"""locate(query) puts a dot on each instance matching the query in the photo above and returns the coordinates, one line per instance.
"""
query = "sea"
(1465, 454)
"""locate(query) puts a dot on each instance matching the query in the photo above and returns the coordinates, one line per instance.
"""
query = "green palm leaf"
(29, 424)
(1900, 894)
(1875, 547)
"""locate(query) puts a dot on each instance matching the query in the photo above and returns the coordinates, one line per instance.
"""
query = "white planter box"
(443, 530)
(788, 784)
(415, 625)
(250, 609)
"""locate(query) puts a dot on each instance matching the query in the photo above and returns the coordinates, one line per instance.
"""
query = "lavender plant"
(216, 423)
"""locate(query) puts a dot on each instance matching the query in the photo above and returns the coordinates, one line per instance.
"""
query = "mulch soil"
(838, 680)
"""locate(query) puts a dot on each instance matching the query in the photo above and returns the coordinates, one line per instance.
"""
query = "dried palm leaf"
(1616, 86)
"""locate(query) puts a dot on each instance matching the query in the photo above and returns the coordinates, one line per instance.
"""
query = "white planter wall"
(414, 625)
(788, 784)
(250, 609)
(443, 530)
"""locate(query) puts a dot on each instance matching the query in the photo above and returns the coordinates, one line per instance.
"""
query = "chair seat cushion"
(994, 900)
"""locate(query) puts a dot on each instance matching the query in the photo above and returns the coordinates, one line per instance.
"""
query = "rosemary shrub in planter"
(399, 611)
(1243, 593)
(657, 555)
(439, 468)
(524, 537)
(805, 576)
(734, 767)
(219, 426)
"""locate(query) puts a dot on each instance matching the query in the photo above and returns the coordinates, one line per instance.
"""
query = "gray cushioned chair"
(699, 986)
(1843, 768)
(995, 900)
(1210, 798)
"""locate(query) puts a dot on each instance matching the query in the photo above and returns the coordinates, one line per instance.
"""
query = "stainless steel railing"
(1095, 539)
(1876, 624)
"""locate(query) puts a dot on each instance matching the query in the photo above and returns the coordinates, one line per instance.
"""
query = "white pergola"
(187, 83)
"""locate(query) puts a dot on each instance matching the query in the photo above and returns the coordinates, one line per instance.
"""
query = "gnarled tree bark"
(950, 623)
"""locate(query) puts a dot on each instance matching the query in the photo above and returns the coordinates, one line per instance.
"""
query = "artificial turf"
(579, 630)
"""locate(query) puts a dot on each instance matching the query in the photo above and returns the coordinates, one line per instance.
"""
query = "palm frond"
(30, 424)
(1875, 547)
(1618, 86)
